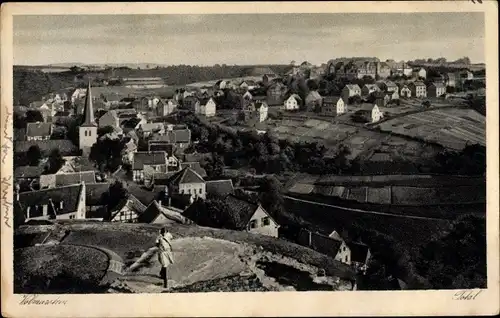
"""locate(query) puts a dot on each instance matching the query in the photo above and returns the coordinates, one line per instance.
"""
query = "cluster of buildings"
(78, 191)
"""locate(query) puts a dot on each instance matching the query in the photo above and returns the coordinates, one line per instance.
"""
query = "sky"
(245, 38)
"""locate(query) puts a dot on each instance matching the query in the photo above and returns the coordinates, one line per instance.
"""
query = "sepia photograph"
(251, 152)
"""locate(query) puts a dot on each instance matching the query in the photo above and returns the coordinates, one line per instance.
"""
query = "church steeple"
(88, 112)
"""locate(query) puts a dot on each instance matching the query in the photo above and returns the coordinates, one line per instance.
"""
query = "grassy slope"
(125, 239)
(77, 265)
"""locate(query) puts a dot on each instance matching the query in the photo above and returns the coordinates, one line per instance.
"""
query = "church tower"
(88, 129)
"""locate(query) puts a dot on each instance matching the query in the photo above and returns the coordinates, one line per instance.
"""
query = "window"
(253, 224)
(85, 132)
(346, 260)
(72, 217)
(189, 191)
(90, 133)
(200, 190)
(266, 221)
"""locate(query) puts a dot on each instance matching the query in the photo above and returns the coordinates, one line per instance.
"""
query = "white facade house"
(209, 108)
(292, 103)
(376, 114)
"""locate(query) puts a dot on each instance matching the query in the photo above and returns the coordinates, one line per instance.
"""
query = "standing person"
(164, 254)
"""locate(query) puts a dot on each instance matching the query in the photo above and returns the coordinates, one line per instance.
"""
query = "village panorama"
(350, 173)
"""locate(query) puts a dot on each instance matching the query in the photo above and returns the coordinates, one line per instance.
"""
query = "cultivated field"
(452, 128)
(369, 145)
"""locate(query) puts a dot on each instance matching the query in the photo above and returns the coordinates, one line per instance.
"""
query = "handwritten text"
(7, 140)
(6, 184)
(466, 294)
(37, 300)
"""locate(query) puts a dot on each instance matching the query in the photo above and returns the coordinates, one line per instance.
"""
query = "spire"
(88, 112)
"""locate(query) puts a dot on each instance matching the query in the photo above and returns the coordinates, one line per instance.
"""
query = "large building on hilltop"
(88, 128)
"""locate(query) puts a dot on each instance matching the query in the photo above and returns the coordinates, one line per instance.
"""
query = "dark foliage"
(55, 162)
(34, 155)
(470, 161)
(106, 153)
(33, 116)
(457, 259)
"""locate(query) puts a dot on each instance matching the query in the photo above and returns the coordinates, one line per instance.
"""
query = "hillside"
(204, 259)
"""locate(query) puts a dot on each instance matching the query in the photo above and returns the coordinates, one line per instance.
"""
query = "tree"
(116, 193)
(33, 116)
(19, 121)
(457, 259)
(34, 155)
(101, 131)
(59, 132)
(426, 104)
(107, 153)
(55, 162)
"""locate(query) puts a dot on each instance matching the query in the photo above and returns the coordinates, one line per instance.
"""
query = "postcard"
(249, 159)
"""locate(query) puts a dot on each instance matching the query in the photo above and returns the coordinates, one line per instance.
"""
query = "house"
(250, 217)
(293, 102)
(48, 181)
(60, 116)
(247, 85)
(247, 100)
(450, 79)
(240, 215)
(96, 198)
(195, 165)
(356, 68)
(128, 210)
(466, 75)
(350, 90)
(360, 256)
(128, 151)
(166, 107)
(419, 73)
(57, 203)
(436, 90)
(418, 89)
(275, 94)
(368, 89)
(28, 177)
(38, 131)
(219, 188)
(148, 129)
(206, 107)
(388, 86)
(110, 119)
(404, 91)
(154, 160)
(173, 163)
(262, 111)
(156, 213)
(191, 103)
(178, 136)
(187, 181)
(383, 70)
(376, 114)
(382, 98)
(313, 101)
(333, 106)
(334, 247)
(393, 95)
